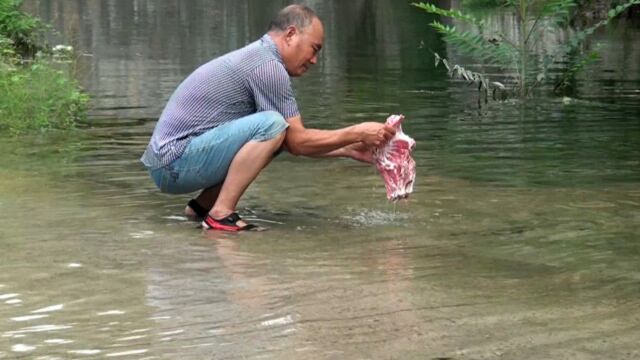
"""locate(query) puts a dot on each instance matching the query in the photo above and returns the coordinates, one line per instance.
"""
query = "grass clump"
(38, 97)
(37, 90)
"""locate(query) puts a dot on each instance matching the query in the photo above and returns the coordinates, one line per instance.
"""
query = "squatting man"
(225, 121)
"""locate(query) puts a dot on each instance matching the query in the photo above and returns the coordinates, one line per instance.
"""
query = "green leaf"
(455, 14)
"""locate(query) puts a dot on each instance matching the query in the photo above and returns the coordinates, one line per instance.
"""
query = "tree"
(517, 55)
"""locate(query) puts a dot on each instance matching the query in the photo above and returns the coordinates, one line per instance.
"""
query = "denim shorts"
(206, 159)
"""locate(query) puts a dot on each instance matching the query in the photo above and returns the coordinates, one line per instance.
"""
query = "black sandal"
(228, 223)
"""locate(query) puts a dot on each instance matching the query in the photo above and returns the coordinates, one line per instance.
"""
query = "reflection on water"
(520, 241)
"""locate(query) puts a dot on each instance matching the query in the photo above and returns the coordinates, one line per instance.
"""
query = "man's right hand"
(375, 134)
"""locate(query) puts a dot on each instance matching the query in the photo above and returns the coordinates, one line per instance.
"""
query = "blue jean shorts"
(206, 159)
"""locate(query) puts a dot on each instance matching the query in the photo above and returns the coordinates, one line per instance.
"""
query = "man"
(226, 120)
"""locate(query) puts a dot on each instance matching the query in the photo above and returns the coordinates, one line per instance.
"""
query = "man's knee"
(273, 126)
(275, 119)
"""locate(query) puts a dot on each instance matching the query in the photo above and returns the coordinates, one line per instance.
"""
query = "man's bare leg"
(245, 167)
(206, 199)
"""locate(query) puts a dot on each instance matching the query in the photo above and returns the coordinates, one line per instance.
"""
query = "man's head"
(299, 35)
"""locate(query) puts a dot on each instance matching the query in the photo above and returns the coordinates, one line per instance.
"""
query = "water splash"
(368, 217)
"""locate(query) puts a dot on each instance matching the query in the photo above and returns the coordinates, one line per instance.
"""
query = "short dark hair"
(297, 15)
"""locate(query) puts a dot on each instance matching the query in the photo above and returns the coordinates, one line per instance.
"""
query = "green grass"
(38, 97)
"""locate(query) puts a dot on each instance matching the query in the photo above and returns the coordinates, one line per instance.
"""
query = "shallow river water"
(520, 241)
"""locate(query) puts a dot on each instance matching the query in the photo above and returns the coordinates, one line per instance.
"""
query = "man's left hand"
(360, 152)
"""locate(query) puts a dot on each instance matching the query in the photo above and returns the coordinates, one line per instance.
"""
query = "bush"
(35, 90)
(39, 97)
(25, 31)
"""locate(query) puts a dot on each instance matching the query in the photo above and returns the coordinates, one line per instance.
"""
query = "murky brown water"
(520, 241)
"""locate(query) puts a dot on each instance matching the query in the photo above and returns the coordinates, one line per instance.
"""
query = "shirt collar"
(268, 43)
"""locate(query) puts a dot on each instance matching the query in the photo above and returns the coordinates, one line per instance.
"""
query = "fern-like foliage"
(559, 11)
(496, 53)
(574, 67)
(535, 18)
(485, 87)
(579, 38)
(551, 15)
(454, 14)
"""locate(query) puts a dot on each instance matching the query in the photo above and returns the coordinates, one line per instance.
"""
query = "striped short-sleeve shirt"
(245, 81)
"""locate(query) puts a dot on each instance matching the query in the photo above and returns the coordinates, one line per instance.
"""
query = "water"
(520, 241)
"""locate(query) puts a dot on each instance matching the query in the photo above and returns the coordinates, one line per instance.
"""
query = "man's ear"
(291, 31)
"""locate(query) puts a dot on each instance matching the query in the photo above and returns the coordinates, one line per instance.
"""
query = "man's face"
(303, 48)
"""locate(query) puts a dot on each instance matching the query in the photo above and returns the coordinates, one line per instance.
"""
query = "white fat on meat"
(395, 163)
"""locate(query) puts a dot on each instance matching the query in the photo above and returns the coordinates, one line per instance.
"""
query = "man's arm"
(339, 142)
(357, 151)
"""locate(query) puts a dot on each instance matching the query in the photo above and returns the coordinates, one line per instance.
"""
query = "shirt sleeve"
(271, 88)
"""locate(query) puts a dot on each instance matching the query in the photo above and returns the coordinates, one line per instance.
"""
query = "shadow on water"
(520, 241)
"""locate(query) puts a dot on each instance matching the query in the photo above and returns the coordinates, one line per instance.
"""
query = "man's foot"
(232, 222)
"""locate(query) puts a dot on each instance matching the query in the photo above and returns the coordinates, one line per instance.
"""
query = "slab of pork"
(394, 162)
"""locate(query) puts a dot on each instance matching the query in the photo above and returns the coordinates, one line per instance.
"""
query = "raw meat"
(394, 162)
